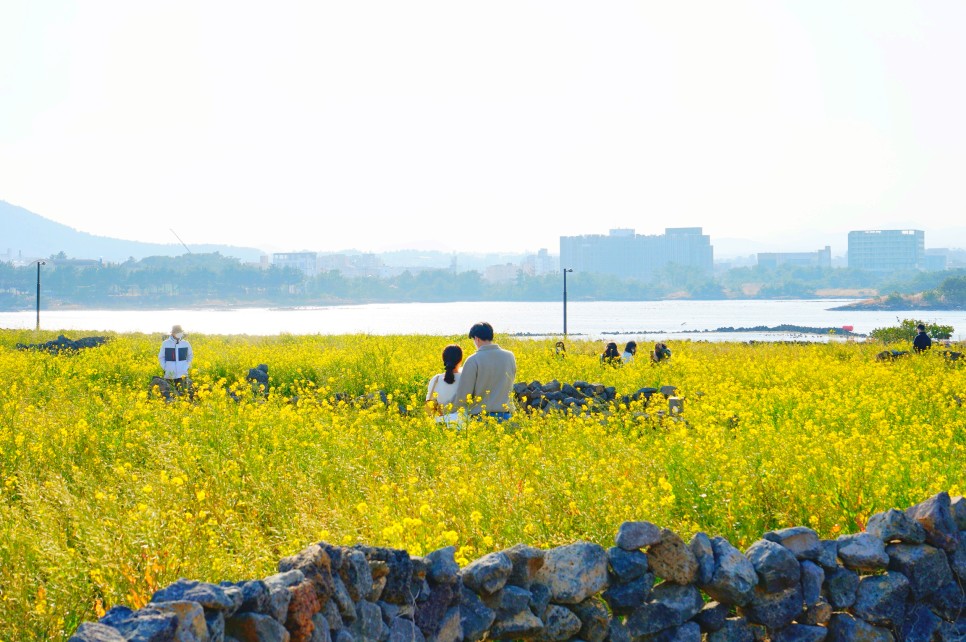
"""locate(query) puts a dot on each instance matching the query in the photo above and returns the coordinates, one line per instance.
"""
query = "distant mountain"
(27, 235)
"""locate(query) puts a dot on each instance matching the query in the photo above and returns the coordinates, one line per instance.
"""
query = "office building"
(625, 254)
(887, 250)
(819, 258)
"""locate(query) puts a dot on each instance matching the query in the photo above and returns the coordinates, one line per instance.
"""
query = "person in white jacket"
(175, 357)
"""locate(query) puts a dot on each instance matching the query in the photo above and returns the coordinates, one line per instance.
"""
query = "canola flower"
(108, 493)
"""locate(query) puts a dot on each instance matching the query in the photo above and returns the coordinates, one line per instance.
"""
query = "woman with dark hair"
(629, 351)
(661, 352)
(442, 387)
(611, 356)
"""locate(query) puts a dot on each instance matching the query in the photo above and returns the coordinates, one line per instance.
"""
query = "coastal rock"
(894, 525)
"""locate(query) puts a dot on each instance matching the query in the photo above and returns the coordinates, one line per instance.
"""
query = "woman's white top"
(627, 357)
(445, 392)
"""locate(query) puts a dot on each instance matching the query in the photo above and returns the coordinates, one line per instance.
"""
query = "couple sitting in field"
(612, 357)
(482, 387)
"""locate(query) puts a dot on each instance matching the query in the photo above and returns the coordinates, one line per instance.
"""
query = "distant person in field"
(442, 387)
(630, 350)
(922, 340)
(487, 377)
(175, 357)
(611, 357)
(661, 352)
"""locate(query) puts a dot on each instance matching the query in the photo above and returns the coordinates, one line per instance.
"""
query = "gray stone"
(957, 506)
(526, 561)
(594, 619)
(632, 536)
(347, 609)
(800, 633)
(617, 631)
(949, 601)
(813, 577)
(559, 623)
(687, 632)
(509, 601)
(330, 611)
(397, 588)
(574, 572)
(475, 617)
(957, 559)
(935, 515)
(403, 630)
(321, 632)
(192, 625)
(735, 629)
(624, 598)
(148, 623)
(862, 552)
(96, 632)
(845, 628)
(672, 560)
(672, 605)
(700, 546)
(734, 578)
(801, 541)
(881, 599)
(368, 626)
(828, 554)
(539, 598)
(840, 588)
(775, 609)
(925, 567)
(488, 574)
(626, 566)
(451, 629)
(286, 579)
(894, 525)
(522, 625)
(315, 564)
(776, 566)
(378, 586)
(255, 627)
(816, 614)
(430, 612)
(443, 568)
(355, 574)
(343, 635)
(215, 624)
(921, 625)
(953, 631)
(712, 616)
(255, 597)
(209, 596)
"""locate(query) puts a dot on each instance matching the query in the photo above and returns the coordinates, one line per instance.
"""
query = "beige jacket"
(489, 374)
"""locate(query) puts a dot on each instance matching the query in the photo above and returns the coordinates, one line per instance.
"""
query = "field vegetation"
(108, 493)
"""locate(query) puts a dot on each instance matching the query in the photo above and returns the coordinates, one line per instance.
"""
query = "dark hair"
(452, 355)
(482, 331)
(631, 347)
(921, 327)
(610, 352)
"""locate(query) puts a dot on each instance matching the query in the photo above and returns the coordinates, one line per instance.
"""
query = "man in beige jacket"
(487, 379)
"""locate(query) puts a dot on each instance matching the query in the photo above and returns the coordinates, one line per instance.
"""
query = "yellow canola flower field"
(108, 493)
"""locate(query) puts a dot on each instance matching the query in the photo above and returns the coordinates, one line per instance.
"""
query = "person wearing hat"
(175, 357)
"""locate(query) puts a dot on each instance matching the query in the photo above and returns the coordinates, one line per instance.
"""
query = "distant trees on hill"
(212, 279)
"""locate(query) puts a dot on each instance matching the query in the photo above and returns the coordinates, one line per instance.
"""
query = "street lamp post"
(565, 270)
(39, 263)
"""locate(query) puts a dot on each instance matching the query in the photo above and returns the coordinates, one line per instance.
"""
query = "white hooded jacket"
(175, 357)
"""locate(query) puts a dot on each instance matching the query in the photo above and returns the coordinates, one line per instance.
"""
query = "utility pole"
(565, 270)
(39, 263)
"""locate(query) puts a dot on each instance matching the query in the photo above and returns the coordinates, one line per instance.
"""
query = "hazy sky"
(485, 125)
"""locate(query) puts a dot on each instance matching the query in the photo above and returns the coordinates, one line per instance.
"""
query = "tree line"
(213, 279)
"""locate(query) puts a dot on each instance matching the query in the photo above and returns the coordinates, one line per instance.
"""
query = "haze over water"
(591, 320)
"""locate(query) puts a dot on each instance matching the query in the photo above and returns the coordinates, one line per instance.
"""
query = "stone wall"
(901, 579)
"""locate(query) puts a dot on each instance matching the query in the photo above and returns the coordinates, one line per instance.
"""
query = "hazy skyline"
(493, 127)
